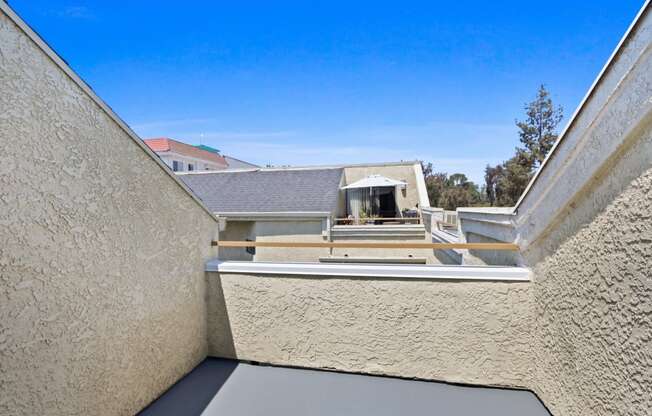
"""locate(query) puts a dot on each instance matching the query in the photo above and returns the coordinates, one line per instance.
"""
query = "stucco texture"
(586, 230)
(102, 287)
(471, 332)
(593, 309)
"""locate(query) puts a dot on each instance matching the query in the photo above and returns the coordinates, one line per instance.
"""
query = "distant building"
(364, 202)
(183, 157)
(239, 164)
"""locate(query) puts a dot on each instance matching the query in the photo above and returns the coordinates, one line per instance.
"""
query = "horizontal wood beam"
(380, 219)
(428, 246)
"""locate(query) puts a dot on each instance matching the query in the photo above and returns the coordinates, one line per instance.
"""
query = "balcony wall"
(305, 231)
(385, 233)
(593, 311)
(102, 289)
(460, 331)
(585, 227)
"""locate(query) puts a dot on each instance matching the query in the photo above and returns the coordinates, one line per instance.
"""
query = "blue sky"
(305, 83)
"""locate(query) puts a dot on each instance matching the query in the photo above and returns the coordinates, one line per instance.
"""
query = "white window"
(177, 166)
(191, 167)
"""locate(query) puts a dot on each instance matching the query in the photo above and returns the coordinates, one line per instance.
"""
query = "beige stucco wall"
(296, 231)
(586, 230)
(470, 332)
(593, 313)
(593, 291)
(102, 285)
(405, 198)
(429, 254)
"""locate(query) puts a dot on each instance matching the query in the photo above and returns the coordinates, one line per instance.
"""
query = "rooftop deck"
(225, 387)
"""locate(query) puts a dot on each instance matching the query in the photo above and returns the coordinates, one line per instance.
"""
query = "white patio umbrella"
(356, 195)
(374, 181)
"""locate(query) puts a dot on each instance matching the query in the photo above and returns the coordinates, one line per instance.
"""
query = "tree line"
(505, 182)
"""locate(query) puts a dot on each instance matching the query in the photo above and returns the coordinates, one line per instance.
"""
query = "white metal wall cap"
(379, 271)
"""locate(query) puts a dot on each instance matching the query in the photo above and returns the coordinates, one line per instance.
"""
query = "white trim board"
(378, 271)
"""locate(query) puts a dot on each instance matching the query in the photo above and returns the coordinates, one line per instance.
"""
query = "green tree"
(513, 180)
(458, 180)
(505, 183)
(538, 130)
(435, 183)
(454, 197)
(492, 175)
(450, 192)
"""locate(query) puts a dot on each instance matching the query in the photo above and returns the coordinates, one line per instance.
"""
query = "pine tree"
(506, 182)
(538, 131)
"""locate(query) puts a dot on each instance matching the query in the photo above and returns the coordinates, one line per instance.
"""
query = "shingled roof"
(267, 190)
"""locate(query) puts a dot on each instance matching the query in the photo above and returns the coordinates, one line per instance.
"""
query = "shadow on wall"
(190, 395)
(220, 335)
(444, 258)
(490, 257)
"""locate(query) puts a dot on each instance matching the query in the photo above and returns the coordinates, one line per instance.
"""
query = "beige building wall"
(469, 332)
(236, 231)
(102, 285)
(429, 255)
(295, 231)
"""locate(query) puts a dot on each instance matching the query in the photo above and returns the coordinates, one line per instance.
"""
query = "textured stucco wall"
(586, 230)
(593, 297)
(471, 332)
(102, 254)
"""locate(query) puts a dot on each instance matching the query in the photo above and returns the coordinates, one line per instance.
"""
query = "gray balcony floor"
(224, 387)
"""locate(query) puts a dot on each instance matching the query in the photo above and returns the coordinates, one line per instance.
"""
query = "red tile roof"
(164, 144)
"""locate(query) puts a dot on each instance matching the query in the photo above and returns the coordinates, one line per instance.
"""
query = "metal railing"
(377, 220)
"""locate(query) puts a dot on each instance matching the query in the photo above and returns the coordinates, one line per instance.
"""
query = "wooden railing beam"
(427, 246)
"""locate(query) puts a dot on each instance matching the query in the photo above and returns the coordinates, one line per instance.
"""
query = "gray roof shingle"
(282, 190)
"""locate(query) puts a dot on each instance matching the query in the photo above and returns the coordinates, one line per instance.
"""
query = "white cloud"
(76, 12)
